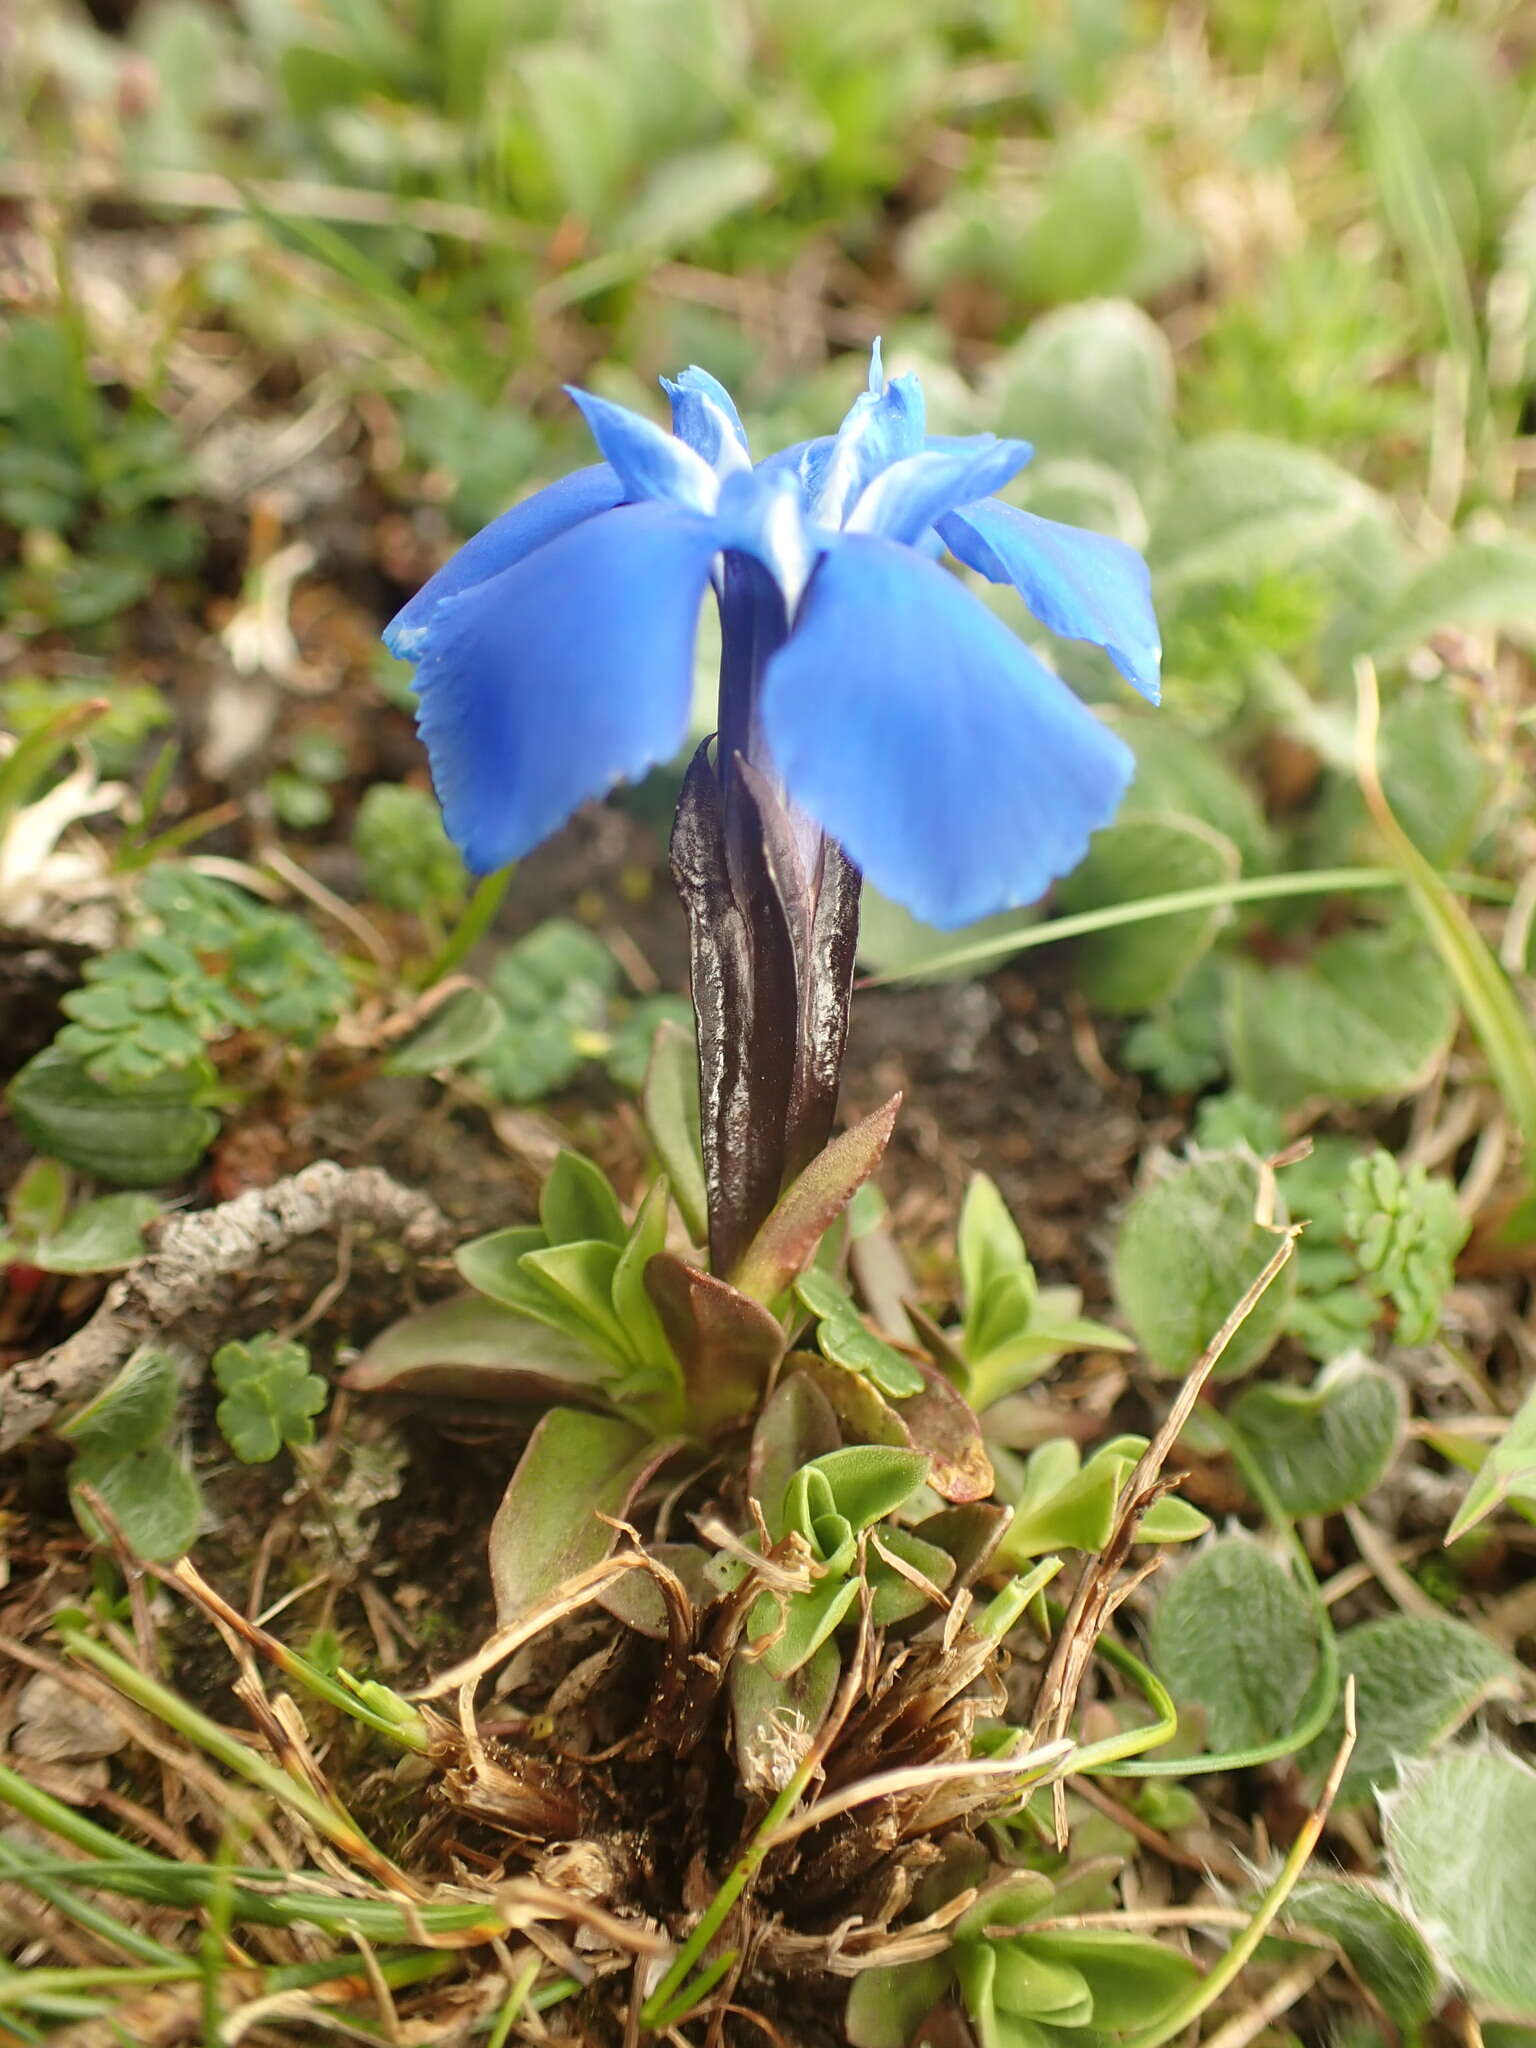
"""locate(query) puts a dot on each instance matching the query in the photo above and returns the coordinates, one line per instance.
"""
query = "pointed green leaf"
(787, 1242)
(470, 1348)
(632, 1303)
(669, 1102)
(580, 1275)
(576, 1468)
(1507, 1473)
(577, 1204)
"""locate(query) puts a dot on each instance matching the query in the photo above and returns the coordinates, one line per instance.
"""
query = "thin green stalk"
(1202, 1996)
(191, 1886)
(328, 1817)
(1324, 1690)
(665, 1996)
(1131, 1742)
(26, 1985)
(55, 1818)
(1487, 994)
(17, 1864)
(1210, 896)
(478, 916)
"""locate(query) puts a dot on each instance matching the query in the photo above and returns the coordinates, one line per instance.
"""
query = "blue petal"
(704, 415)
(762, 514)
(904, 500)
(1084, 585)
(880, 427)
(957, 771)
(506, 540)
(651, 462)
(562, 676)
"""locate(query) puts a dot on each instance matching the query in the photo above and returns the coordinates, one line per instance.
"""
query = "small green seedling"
(270, 1397)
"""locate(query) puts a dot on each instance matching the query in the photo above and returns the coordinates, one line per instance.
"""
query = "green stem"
(1325, 1686)
(1210, 896)
(653, 2013)
(1131, 1742)
(328, 1817)
(1202, 1996)
(479, 914)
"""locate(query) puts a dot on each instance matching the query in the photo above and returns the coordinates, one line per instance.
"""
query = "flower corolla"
(891, 707)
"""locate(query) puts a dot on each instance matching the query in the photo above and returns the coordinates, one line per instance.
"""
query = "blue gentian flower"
(890, 708)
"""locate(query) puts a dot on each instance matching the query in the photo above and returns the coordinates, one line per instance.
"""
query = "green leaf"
(150, 1493)
(1133, 1981)
(846, 1339)
(1417, 1678)
(456, 1031)
(1474, 584)
(632, 1303)
(472, 1348)
(270, 1396)
(1507, 1473)
(1234, 1635)
(1324, 1446)
(867, 1482)
(795, 1425)
(1408, 1230)
(132, 1411)
(997, 1280)
(1139, 965)
(895, 944)
(1028, 1985)
(554, 986)
(1237, 507)
(887, 2006)
(99, 1237)
(1063, 1504)
(1093, 380)
(806, 1211)
(1461, 1846)
(577, 1204)
(895, 1596)
(727, 1343)
(1387, 1953)
(689, 194)
(1368, 1016)
(775, 1720)
(1188, 1250)
(1437, 779)
(628, 1056)
(580, 1276)
(575, 1468)
(39, 1201)
(669, 1103)
(810, 1620)
(144, 1139)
